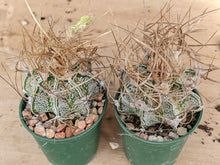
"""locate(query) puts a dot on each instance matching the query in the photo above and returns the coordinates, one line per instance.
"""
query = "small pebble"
(130, 126)
(38, 123)
(94, 103)
(61, 127)
(100, 110)
(40, 130)
(94, 110)
(89, 125)
(68, 132)
(50, 133)
(60, 135)
(100, 96)
(78, 131)
(71, 116)
(32, 122)
(150, 129)
(51, 115)
(31, 128)
(152, 138)
(27, 114)
(89, 119)
(159, 138)
(113, 145)
(47, 125)
(173, 135)
(24, 22)
(143, 136)
(43, 117)
(181, 131)
(34, 117)
(53, 128)
(189, 126)
(95, 117)
(166, 138)
(81, 124)
(100, 104)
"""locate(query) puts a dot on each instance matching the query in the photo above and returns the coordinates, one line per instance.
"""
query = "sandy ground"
(17, 147)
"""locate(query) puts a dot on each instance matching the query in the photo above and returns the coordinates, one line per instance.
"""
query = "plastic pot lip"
(153, 142)
(53, 140)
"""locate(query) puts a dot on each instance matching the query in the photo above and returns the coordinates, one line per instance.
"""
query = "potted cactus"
(157, 104)
(64, 97)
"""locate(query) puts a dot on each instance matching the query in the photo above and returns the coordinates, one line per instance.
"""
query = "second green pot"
(144, 152)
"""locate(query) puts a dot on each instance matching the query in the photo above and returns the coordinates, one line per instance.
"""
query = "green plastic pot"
(144, 152)
(76, 150)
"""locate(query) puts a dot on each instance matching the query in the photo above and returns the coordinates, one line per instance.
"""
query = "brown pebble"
(129, 126)
(143, 136)
(152, 128)
(39, 130)
(47, 125)
(73, 130)
(60, 127)
(34, 118)
(60, 135)
(78, 131)
(43, 117)
(32, 122)
(89, 119)
(31, 128)
(81, 124)
(137, 133)
(27, 114)
(100, 104)
(94, 110)
(100, 110)
(100, 96)
(50, 133)
(89, 125)
(95, 117)
(68, 132)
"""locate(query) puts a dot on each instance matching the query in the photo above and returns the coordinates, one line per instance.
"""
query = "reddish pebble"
(60, 135)
(31, 128)
(68, 132)
(143, 136)
(100, 104)
(81, 124)
(95, 117)
(43, 117)
(50, 133)
(153, 128)
(60, 127)
(32, 122)
(100, 96)
(78, 131)
(100, 110)
(26, 114)
(89, 119)
(89, 125)
(40, 130)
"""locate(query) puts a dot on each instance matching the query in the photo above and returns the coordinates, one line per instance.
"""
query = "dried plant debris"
(64, 77)
(158, 72)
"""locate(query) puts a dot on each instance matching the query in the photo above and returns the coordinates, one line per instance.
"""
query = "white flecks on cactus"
(62, 97)
(166, 108)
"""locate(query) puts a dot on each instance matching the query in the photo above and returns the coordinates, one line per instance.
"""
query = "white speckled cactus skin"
(60, 97)
(168, 108)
